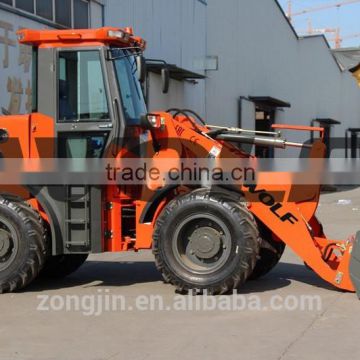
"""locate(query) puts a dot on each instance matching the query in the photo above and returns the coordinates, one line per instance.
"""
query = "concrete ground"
(328, 332)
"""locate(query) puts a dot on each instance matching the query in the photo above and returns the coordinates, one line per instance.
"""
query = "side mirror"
(141, 67)
(165, 79)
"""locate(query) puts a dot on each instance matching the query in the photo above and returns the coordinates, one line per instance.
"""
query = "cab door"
(84, 116)
(84, 125)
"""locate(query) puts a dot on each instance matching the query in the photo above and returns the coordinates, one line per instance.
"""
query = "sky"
(347, 18)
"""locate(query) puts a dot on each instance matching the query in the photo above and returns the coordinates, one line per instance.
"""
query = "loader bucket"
(355, 264)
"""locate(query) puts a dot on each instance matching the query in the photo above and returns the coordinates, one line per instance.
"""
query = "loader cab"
(88, 82)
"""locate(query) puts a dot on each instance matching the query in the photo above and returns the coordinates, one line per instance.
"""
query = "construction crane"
(311, 31)
(290, 14)
(339, 39)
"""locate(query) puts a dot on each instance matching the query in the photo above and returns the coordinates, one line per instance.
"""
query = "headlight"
(4, 136)
(118, 34)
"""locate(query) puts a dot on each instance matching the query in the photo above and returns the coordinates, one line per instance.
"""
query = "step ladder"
(77, 218)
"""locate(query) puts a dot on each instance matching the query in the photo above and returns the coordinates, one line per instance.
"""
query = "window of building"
(44, 8)
(63, 12)
(81, 14)
(67, 13)
(26, 5)
(7, 2)
(82, 94)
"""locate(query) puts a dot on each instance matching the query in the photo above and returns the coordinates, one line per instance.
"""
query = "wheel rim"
(202, 243)
(9, 243)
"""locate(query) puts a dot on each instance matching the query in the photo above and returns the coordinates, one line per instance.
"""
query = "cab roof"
(122, 37)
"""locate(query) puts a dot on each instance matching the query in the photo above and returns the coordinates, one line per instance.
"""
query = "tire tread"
(251, 236)
(36, 235)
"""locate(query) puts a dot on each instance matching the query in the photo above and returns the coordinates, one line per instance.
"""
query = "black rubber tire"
(270, 254)
(245, 242)
(31, 252)
(60, 266)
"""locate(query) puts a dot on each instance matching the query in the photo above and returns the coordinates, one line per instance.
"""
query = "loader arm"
(286, 209)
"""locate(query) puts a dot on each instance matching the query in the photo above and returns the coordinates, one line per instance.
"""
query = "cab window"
(81, 87)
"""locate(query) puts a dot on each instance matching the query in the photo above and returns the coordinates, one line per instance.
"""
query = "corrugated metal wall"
(15, 60)
(259, 55)
(176, 32)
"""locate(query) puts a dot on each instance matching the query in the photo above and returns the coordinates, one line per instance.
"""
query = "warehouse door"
(247, 117)
(259, 113)
(265, 118)
(254, 116)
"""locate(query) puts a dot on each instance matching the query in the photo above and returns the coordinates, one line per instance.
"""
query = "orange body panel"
(298, 237)
(30, 136)
(18, 128)
(79, 38)
(42, 143)
(113, 241)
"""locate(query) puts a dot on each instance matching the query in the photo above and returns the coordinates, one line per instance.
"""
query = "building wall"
(15, 59)
(175, 31)
(260, 55)
(97, 13)
(15, 64)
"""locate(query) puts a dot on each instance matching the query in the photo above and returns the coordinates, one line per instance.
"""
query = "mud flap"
(355, 264)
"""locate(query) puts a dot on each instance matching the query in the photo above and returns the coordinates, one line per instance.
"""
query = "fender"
(55, 200)
(48, 204)
(152, 205)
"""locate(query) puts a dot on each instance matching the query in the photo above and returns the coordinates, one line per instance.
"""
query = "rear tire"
(60, 266)
(22, 244)
(206, 241)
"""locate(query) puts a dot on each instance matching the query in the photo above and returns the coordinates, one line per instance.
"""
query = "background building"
(349, 59)
(175, 31)
(264, 64)
(236, 62)
(15, 59)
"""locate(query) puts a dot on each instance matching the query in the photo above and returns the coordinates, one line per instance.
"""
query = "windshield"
(131, 93)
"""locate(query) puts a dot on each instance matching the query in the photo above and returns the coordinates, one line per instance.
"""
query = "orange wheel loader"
(88, 103)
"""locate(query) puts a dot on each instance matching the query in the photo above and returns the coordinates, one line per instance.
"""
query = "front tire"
(206, 241)
(271, 251)
(22, 244)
